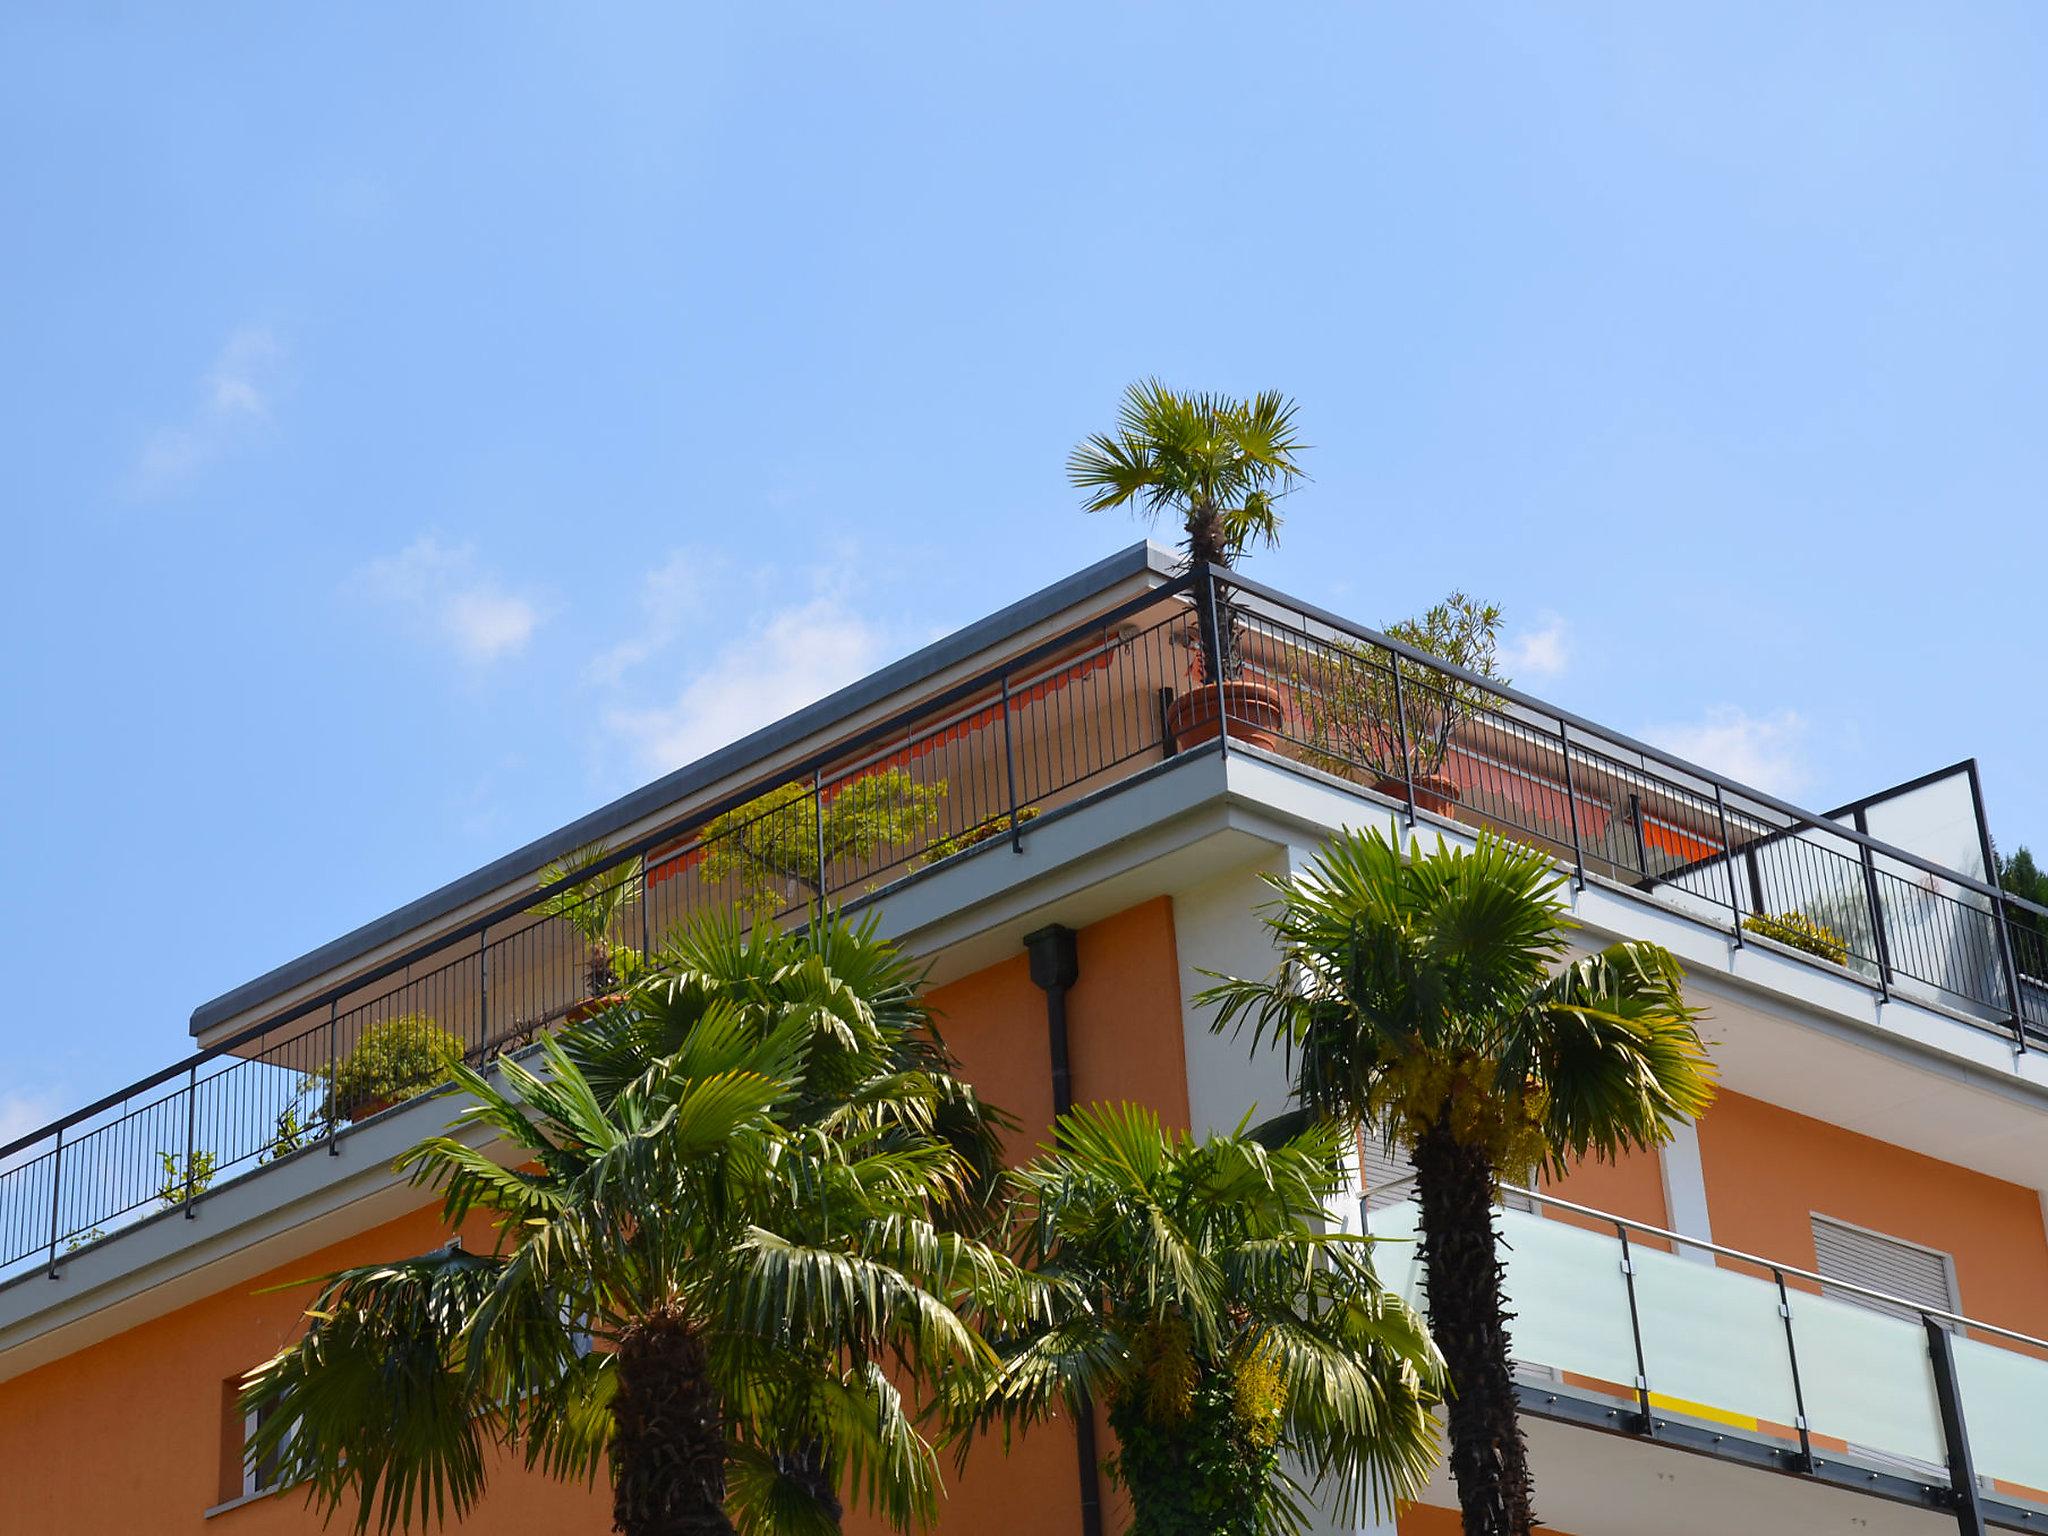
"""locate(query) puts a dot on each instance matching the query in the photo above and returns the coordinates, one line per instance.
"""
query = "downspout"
(1055, 965)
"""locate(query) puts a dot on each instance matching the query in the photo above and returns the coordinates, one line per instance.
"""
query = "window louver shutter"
(1906, 1270)
(1389, 1176)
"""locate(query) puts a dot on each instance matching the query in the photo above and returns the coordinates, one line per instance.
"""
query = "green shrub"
(170, 1193)
(997, 825)
(1801, 932)
(393, 1060)
(769, 848)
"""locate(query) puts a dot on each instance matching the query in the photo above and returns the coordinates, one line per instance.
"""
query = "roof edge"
(1142, 558)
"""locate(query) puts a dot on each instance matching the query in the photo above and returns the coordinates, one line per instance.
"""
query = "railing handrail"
(838, 750)
(1779, 1268)
(697, 816)
(1607, 735)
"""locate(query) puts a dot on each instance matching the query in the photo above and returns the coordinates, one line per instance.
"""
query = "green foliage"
(995, 826)
(1350, 702)
(1213, 461)
(1800, 932)
(290, 1132)
(393, 1060)
(1198, 1293)
(744, 1158)
(1192, 1476)
(592, 903)
(1430, 989)
(769, 847)
(177, 1175)
(2019, 875)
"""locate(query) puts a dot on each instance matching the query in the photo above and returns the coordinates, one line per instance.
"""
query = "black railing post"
(1872, 895)
(56, 1197)
(1728, 859)
(1756, 880)
(1010, 765)
(1571, 799)
(1798, 1390)
(818, 826)
(334, 1063)
(1401, 740)
(1962, 1467)
(1635, 816)
(2012, 973)
(1166, 722)
(191, 1131)
(1635, 1328)
(1212, 659)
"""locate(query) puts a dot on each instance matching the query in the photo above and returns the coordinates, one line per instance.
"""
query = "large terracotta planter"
(1433, 792)
(591, 1007)
(1252, 710)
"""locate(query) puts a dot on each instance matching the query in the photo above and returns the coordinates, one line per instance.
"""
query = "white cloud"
(668, 595)
(445, 594)
(234, 399)
(778, 659)
(1766, 751)
(1535, 654)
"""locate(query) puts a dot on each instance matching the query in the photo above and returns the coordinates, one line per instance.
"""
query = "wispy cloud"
(447, 595)
(1767, 751)
(778, 655)
(235, 397)
(1534, 655)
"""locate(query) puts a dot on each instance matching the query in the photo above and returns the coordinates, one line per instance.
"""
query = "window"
(1389, 1176)
(261, 1476)
(1925, 1277)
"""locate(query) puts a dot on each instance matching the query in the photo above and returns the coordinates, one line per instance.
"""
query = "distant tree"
(2019, 875)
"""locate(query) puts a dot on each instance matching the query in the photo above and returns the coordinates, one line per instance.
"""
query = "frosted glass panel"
(1713, 1339)
(1570, 1299)
(2005, 1405)
(1867, 1379)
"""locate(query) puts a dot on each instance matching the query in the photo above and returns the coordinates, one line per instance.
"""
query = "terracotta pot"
(591, 1007)
(362, 1109)
(1252, 709)
(1433, 792)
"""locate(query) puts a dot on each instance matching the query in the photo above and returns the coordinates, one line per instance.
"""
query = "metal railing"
(976, 765)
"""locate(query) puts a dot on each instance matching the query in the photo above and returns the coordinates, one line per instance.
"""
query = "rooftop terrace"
(962, 752)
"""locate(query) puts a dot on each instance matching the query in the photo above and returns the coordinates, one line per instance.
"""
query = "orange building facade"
(1764, 1323)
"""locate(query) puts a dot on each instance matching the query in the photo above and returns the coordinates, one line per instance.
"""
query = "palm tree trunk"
(668, 1435)
(1461, 1257)
(1216, 623)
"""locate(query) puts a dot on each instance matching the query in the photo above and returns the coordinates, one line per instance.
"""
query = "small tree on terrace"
(1428, 1000)
(770, 847)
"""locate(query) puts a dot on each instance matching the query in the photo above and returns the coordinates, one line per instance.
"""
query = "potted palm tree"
(1425, 1000)
(1216, 463)
(1374, 710)
(1198, 1290)
(591, 896)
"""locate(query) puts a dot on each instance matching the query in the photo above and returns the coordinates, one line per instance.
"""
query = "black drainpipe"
(1054, 967)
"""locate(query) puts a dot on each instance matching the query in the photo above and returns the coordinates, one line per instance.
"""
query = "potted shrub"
(997, 825)
(592, 906)
(393, 1060)
(1216, 463)
(1798, 931)
(770, 848)
(1356, 716)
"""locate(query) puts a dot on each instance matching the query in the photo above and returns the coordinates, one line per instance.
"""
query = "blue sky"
(424, 423)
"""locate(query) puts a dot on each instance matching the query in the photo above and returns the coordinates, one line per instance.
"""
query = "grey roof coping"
(1139, 559)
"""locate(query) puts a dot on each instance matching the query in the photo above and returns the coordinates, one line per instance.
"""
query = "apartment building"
(1822, 1308)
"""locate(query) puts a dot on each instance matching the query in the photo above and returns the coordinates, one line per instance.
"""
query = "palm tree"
(746, 1257)
(1212, 461)
(1429, 1001)
(591, 898)
(1199, 1291)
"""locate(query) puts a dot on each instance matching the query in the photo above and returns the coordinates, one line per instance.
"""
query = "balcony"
(1025, 732)
(1637, 1331)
